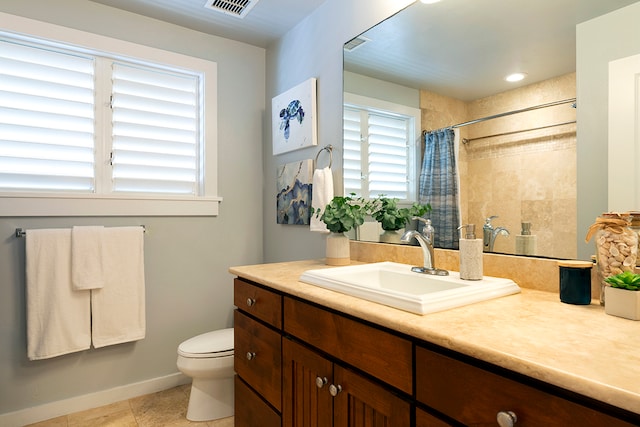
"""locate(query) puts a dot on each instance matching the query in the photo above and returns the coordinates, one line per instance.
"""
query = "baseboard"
(92, 400)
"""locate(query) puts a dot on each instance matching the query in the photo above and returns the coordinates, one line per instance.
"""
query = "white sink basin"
(395, 285)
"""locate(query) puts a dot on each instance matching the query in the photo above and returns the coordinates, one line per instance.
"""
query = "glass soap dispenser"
(470, 253)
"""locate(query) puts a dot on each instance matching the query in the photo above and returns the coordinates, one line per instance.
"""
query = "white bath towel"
(87, 270)
(321, 195)
(118, 308)
(58, 318)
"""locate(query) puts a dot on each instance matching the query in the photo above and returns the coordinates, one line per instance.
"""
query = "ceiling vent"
(355, 43)
(237, 8)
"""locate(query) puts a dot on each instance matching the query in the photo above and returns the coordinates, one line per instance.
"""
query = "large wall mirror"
(516, 141)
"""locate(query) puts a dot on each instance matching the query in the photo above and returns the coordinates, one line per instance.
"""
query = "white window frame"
(378, 105)
(72, 204)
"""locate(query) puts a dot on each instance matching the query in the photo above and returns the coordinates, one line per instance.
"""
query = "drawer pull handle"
(250, 302)
(506, 418)
(251, 355)
(334, 390)
(321, 381)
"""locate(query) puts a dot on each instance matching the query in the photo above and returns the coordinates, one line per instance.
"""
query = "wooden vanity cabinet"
(299, 364)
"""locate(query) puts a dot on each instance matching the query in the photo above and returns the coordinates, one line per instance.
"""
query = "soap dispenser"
(525, 241)
(470, 253)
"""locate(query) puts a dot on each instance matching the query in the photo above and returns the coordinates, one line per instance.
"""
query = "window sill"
(91, 205)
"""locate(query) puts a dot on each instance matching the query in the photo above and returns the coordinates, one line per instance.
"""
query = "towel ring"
(329, 149)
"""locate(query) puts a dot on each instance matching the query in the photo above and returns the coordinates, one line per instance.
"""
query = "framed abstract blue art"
(293, 200)
(294, 120)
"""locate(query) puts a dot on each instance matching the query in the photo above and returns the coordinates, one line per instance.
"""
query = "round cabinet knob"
(251, 355)
(250, 302)
(321, 381)
(334, 390)
(506, 418)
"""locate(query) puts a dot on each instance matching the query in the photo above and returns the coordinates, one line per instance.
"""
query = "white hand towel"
(321, 195)
(118, 308)
(58, 318)
(87, 270)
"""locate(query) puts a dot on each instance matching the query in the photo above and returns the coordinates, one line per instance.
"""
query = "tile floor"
(165, 408)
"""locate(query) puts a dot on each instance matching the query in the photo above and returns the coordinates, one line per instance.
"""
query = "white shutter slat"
(175, 109)
(45, 89)
(155, 131)
(147, 145)
(41, 135)
(46, 119)
(44, 182)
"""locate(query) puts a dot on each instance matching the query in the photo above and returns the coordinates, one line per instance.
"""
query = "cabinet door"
(305, 392)
(362, 403)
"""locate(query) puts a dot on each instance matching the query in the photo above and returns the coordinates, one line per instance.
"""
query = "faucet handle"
(427, 229)
(489, 219)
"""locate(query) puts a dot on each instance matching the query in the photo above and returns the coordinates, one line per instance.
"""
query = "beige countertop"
(576, 347)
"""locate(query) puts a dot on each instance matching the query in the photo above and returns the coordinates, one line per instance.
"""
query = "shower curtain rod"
(508, 113)
(468, 140)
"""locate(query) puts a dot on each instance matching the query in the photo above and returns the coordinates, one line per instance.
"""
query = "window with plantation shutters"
(378, 150)
(46, 119)
(155, 130)
(83, 132)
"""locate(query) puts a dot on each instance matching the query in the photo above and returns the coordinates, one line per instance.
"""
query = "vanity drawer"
(258, 357)
(379, 353)
(474, 396)
(254, 411)
(259, 302)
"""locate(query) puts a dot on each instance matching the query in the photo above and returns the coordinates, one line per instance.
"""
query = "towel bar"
(21, 232)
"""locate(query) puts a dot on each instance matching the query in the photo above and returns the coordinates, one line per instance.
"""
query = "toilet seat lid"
(210, 344)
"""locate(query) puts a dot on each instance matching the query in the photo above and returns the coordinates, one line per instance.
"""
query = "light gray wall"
(312, 49)
(358, 84)
(601, 40)
(188, 287)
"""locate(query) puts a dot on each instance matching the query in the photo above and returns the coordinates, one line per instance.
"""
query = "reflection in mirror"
(444, 60)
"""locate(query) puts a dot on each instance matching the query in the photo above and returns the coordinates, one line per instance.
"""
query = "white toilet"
(208, 359)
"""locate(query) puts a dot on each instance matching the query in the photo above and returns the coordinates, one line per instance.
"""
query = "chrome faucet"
(489, 234)
(427, 252)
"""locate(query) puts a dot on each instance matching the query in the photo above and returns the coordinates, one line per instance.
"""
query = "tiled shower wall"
(523, 176)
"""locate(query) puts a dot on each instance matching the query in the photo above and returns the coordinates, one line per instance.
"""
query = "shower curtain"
(439, 186)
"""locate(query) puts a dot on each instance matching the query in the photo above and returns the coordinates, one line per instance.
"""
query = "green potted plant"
(342, 214)
(622, 296)
(393, 218)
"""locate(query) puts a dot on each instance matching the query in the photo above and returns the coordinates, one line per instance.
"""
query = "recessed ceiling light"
(515, 77)
(429, 1)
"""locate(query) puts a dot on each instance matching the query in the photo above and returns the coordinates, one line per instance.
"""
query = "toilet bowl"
(208, 360)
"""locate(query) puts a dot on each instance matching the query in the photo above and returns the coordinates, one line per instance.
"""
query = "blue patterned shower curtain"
(439, 186)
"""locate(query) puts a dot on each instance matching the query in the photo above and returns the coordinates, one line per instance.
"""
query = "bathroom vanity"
(308, 356)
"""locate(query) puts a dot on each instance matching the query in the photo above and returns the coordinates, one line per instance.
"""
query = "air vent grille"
(237, 8)
(355, 43)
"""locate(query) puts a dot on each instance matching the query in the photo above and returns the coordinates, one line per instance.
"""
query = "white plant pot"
(390, 236)
(338, 252)
(622, 303)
